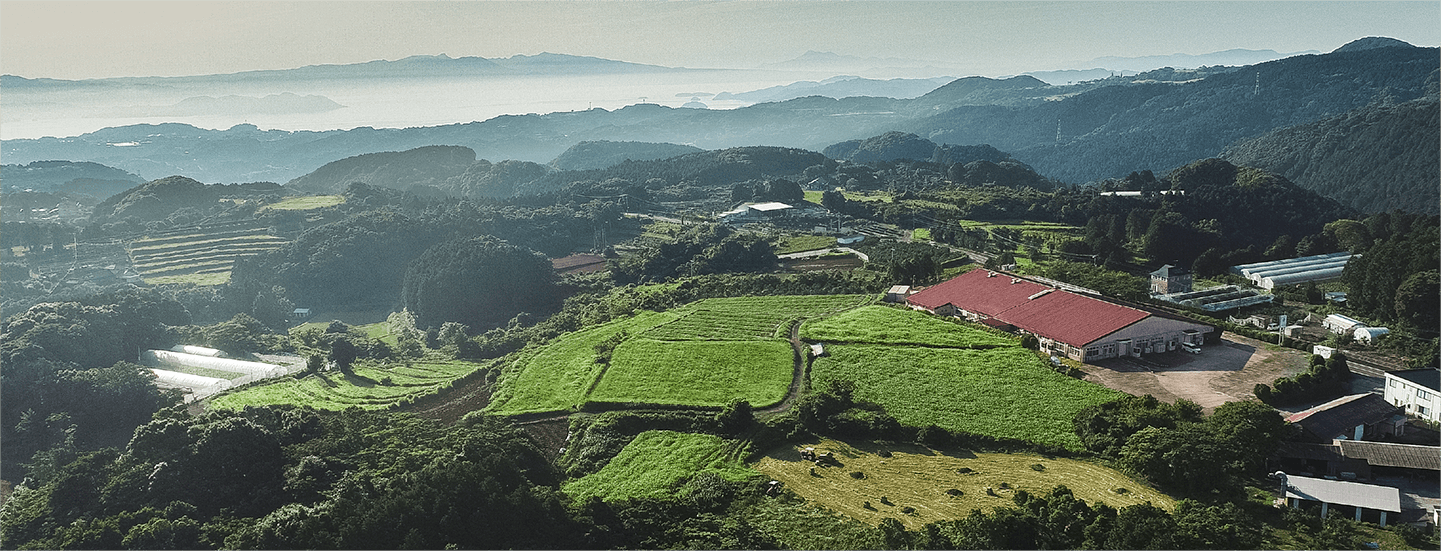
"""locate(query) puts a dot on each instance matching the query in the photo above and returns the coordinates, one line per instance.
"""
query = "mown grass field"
(919, 478)
(705, 373)
(202, 257)
(705, 353)
(1004, 392)
(305, 203)
(656, 462)
(374, 386)
(878, 324)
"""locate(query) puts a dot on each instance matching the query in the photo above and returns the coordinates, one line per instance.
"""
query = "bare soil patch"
(1225, 372)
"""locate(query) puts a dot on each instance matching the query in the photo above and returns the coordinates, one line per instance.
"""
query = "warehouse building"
(1076, 326)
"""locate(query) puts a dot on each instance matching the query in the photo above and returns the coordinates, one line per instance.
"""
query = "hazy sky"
(76, 40)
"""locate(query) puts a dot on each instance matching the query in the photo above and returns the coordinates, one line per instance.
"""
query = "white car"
(1194, 349)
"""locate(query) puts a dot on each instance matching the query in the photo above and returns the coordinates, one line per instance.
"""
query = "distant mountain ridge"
(841, 87)
(427, 66)
(1074, 134)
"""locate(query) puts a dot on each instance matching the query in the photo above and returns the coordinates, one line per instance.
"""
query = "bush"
(860, 475)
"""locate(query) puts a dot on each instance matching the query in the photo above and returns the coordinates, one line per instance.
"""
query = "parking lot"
(1224, 372)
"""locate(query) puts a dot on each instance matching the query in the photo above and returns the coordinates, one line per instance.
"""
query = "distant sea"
(87, 106)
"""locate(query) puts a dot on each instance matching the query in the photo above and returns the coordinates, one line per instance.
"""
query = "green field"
(801, 243)
(202, 257)
(374, 386)
(558, 376)
(656, 463)
(921, 234)
(705, 353)
(1005, 392)
(743, 318)
(306, 203)
(704, 373)
(878, 324)
(918, 477)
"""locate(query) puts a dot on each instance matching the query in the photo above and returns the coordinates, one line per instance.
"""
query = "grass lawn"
(702, 373)
(918, 477)
(1004, 392)
(921, 234)
(655, 463)
(878, 324)
(305, 203)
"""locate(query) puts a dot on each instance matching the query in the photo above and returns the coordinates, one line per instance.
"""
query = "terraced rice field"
(203, 256)
(374, 387)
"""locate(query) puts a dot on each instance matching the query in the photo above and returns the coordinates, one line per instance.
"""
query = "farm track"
(798, 378)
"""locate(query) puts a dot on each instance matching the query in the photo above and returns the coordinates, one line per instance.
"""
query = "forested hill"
(1110, 131)
(1378, 158)
(605, 154)
(1075, 134)
(92, 179)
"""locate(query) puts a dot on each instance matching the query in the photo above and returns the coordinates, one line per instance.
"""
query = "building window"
(1393, 383)
(1422, 395)
(1423, 410)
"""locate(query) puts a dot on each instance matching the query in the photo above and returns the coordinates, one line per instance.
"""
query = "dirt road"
(1221, 373)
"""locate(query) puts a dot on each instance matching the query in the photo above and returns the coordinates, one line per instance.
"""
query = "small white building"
(1339, 324)
(1369, 335)
(898, 293)
(1418, 391)
(755, 211)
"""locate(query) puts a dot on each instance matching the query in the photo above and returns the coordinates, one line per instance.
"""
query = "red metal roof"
(1070, 318)
(1039, 309)
(973, 291)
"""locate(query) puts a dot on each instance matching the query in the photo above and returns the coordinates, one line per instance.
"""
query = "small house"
(1171, 279)
(898, 293)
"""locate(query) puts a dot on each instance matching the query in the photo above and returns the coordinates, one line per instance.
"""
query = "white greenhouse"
(166, 358)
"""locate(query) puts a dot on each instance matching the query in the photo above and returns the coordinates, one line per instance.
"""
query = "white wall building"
(1417, 391)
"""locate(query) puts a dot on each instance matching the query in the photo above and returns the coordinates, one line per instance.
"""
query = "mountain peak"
(1373, 42)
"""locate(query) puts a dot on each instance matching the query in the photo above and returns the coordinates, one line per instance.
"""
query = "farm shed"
(1357, 459)
(755, 211)
(898, 293)
(1354, 417)
(197, 350)
(1076, 326)
(1367, 500)
(1369, 335)
(1418, 391)
(196, 384)
(166, 358)
(1268, 275)
(1339, 324)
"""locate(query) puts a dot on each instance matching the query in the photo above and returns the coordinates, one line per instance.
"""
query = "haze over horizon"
(59, 40)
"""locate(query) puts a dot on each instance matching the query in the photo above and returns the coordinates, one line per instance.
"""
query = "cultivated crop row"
(885, 325)
(743, 318)
(699, 373)
(374, 386)
(655, 462)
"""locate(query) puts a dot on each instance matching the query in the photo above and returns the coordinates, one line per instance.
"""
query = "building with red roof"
(1077, 326)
